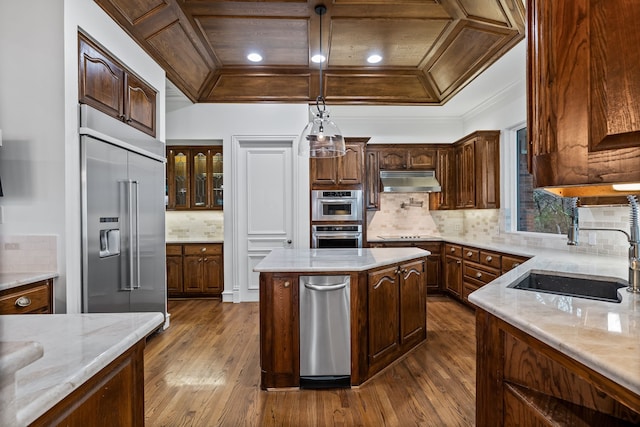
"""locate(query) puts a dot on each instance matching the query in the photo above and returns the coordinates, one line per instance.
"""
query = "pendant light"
(321, 137)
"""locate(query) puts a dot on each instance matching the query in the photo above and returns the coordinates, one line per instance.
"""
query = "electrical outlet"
(1, 214)
(11, 246)
(592, 238)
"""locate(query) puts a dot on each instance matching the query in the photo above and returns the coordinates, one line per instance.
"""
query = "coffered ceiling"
(431, 48)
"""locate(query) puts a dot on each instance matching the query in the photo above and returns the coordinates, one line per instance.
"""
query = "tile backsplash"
(28, 254)
(489, 225)
(206, 225)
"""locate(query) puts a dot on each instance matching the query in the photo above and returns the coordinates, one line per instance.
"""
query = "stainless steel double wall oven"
(336, 218)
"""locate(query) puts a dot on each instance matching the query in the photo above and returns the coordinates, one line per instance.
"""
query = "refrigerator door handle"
(136, 185)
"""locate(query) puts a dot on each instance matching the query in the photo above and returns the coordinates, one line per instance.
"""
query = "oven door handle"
(341, 201)
(338, 236)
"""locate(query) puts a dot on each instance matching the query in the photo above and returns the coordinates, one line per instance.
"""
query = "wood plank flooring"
(205, 371)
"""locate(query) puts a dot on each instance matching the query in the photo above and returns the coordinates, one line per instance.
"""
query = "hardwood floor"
(205, 371)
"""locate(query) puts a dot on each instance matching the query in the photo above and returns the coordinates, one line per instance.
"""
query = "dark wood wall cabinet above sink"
(583, 91)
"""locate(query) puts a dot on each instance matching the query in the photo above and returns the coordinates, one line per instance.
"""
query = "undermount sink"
(591, 287)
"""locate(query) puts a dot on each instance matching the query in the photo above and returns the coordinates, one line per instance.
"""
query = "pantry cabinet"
(194, 178)
(583, 114)
(110, 87)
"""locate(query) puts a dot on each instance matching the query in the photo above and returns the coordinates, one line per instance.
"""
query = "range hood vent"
(409, 182)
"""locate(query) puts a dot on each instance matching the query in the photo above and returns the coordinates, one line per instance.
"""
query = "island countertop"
(338, 260)
(603, 336)
(74, 347)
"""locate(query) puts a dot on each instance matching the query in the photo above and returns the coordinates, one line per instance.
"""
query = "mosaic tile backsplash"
(489, 225)
(28, 254)
(206, 225)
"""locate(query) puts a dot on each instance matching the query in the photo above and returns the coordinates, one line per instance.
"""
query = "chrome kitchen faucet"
(633, 237)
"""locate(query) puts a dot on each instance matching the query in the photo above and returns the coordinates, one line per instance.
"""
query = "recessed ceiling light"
(374, 59)
(254, 57)
(318, 58)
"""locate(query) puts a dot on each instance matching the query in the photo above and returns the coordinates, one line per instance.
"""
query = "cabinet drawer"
(511, 262)
(174, 250)
(478, 273)
(468, 288)
(453, 250)
(433, 247)
(491, 259)
(36, 300)
(471, 254)
(213, 249)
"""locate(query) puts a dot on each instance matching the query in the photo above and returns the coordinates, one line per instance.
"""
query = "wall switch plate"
(1, 214)
(11, 246)
(592, 238)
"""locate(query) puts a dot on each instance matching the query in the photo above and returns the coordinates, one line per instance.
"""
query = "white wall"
(39, 160)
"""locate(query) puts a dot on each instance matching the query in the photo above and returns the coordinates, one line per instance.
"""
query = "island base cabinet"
(524, 382)
(279, 331)
(112, 397)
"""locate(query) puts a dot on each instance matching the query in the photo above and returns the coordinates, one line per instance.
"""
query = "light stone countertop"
(604, 336)
(327, 260)
(13, 280)
(197, 239)
(75, 347)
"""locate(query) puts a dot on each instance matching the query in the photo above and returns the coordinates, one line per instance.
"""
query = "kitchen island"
(74, 369)
(387, 302)
(556, 358)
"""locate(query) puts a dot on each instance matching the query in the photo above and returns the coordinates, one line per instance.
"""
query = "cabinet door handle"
(23, 302)
(478, 275)
(469, 254)
(458, 262)
(489, 258)
(286, 284)
(200, 260)
(206, 259)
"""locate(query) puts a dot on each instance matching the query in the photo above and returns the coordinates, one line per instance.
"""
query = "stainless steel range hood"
(409, 182)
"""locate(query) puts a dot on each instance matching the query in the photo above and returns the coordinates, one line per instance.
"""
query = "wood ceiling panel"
(176, 49)
(376, 89)
(260, 87)
(279, 41)
(490, 12)
(457, 59)
(135, 11)
(431, 48)
(401, 42)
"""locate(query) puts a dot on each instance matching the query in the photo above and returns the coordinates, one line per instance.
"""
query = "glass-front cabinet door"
(194, 177)
(177, 185)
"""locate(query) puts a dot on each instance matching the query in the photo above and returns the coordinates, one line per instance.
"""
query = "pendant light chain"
(320, 10)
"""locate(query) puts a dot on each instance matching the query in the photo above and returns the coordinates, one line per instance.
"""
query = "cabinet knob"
(489, 258)
(469, 253)
(453, 249)
(206, 259)
(200, 260)
(287, 284)
(515, 265)
(203, 249)
(23, 302)
(458, 262)
(478, 275)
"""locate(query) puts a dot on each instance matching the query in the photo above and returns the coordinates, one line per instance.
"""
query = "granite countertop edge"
(195, 240)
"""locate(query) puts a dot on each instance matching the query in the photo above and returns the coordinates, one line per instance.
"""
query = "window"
(537, 210)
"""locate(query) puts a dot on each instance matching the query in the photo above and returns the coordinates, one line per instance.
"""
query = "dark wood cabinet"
(407, 157)
(522, 381)
(345, 172)
(194, 177)
(195, 270)
(372, 180)
(453, 269)
(397, 311)
(583, 114)
(279, 330)
(446, 175)
(477, 158)
(110, 87)
(31, 298)
(382, 298)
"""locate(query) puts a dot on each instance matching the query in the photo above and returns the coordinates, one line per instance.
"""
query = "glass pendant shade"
(321, 138)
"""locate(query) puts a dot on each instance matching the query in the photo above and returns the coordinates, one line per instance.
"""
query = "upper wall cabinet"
(110, 87)
(407, 158)
(345, 172)
(194, 177)
(584, 87)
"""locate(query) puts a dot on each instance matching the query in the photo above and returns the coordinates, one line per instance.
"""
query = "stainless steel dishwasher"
(325, 332)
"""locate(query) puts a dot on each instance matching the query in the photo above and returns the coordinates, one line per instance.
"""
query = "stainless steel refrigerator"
(123, 226)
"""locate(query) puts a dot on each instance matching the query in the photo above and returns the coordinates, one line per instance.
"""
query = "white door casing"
(266, 201)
